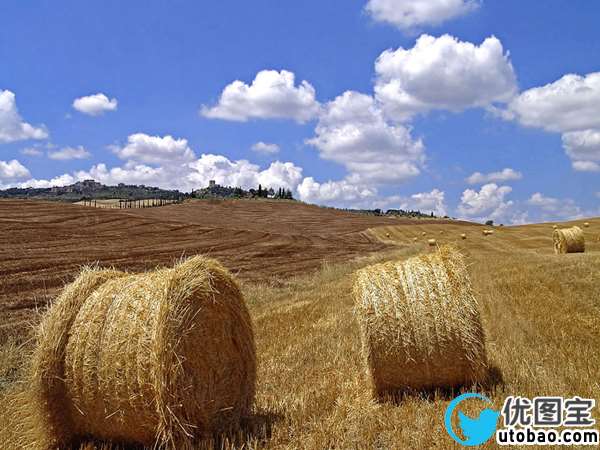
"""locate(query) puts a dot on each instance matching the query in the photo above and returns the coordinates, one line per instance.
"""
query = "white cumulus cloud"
(12, 170)
(67, 153)
(489, 203)
(265, 148)
(272, 95)
(583, 147)
(506, 174)
(411, 14)
(571, 103)
(12, 126)
(443, 73)
(342, 193)
(352, 131)
(95, 105)
(155, 149)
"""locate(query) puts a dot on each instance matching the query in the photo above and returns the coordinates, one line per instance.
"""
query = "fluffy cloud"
(265, 148)
(443, 73)
(341, 193)
(62, 180)
(555, 209)
(410, 14)
(571, 103)
(488, 203)
(272, 95)
(506, 174)
(12, 170)
(353, 132)
(67, 153)
(12, 126)
(95, 105)
(155, 149)
(583, 147)
(428, 201)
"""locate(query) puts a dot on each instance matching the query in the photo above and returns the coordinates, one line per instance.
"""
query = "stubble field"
(540, 311)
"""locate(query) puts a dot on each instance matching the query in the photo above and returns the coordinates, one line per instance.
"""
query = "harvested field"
(540, 313)
(43, 244)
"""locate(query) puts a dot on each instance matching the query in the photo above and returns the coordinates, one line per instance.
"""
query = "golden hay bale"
(431, 242)
(423, 233)
(159, 358)
(415, 239)
(586, 224)
(488, 232)
(569, 240)
(420, 324)
(463, 236)
(441, 231)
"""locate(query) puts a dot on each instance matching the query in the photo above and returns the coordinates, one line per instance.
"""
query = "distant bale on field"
(431, 242)
(569, 240)
(159, 359)
(415, 239)
(463, 236)
(420, 324)
(423, 233)
(586, 224)
(488, 232)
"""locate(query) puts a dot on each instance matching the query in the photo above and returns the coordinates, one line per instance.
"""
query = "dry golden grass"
(541, 313)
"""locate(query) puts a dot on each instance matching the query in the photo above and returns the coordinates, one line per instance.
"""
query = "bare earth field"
(43, 244)
(540, 311)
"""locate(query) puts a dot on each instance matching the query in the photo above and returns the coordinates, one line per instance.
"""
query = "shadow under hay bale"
(568, 240)
(420, 324)
(162, 358)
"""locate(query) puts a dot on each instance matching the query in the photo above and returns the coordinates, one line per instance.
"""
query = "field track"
(43, 244)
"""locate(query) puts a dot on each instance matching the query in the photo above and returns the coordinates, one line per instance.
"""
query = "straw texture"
(420, 323)
(160, 358)
(568, 240)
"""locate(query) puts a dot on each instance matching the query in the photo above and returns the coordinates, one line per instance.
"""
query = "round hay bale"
(441, 231)
(387, 235)
(420, 324)
(159, 358)
(488, 232)
(463, 236)
(423, 233)
(569, 240)
(586, 224)
(415, 239)
(431, 242)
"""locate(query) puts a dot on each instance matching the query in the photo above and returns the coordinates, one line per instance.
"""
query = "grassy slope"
(541, 313)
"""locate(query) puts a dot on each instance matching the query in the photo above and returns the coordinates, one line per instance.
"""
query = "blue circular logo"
(478, 430)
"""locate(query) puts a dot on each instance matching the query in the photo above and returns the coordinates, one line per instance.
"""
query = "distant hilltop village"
(92, 190)
(215, 190)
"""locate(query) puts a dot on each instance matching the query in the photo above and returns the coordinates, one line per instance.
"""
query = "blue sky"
(473, 109)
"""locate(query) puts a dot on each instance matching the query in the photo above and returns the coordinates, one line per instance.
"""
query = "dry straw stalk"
(160, 358)
(420, 323)
(569, 240)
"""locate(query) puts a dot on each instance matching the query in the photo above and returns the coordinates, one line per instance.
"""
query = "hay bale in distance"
(569, 240)
(159, 358)
(488, 232)
(415, 239)
(423, 233)
(431, 242)
(463, 236)
(420, 324)
(586, 224)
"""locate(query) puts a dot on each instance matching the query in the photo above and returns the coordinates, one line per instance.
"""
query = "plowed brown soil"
(43, 244)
